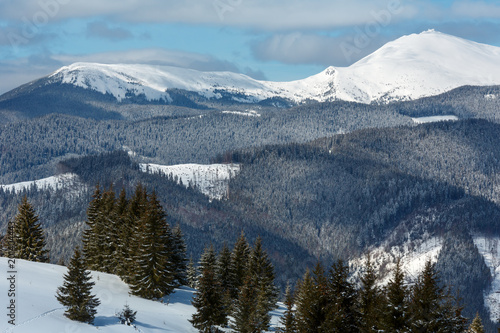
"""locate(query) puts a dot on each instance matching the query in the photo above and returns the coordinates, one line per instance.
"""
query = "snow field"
(37, 309)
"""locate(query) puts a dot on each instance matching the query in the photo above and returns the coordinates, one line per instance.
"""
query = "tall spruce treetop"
(28, 234)
(93, 236)
(179, 260)
(476, 326)
(370, 299)
(396, 312)
(426, 300)
(153, 278)
(239, 264)
(75, 293)
(288, 321)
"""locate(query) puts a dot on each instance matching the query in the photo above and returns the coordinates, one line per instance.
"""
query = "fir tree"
(179, 257)
(370, 299)
(153, 267)
(244, 308)
(426, 300)
(93, 235)
(124, 235)
(343, 310)
(28, 234)
(192, 274)
(288, 321)
(75, 293)
(223, 272)
(208, 300)
(127, 316)
(239, 264)
(306, 300)
(476, 326)
(110, 235)
(396, 315)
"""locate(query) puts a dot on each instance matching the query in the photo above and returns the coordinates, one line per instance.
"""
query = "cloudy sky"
(266, 39)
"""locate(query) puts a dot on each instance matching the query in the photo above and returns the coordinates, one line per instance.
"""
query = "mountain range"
(396, 155)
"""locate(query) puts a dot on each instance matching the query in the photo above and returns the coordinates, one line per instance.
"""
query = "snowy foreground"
(37, 310)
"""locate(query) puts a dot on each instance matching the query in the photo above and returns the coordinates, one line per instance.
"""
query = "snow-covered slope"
(211, 179)
(489, 247)
(67, 181)
(37, 309)
(408, 68)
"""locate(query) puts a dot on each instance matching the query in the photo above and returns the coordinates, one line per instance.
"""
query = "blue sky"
(266, 39)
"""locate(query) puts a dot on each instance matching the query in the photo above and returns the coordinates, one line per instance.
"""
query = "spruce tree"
(425, 305)
(476, 326)
(223, 272)
(153, 275)
(208, 300)
(244, 308)
(370, 299)
(192, 274)
(239, 264)
(110, 234)
(28, 234)
(396, 313)
(93, 236)
(75, 293)
(343, 310)
(288, 321)
(124, 235)
(306, 299)
(179, 260)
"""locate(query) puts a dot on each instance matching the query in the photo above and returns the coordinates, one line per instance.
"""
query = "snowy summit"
(411, 67)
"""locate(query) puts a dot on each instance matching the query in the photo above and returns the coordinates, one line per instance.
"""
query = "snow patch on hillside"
(248, 113)
(414, 254)
(489, 247)
(54, 183)
(37, 309)
(211, 179)
(433, 119)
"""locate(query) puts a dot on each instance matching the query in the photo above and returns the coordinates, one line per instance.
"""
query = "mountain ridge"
(408, 68)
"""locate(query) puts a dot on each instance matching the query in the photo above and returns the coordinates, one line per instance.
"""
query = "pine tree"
(370, 299)
(288, 321)
(208, 260)
(127, 316)
(110, 234)
(93, 235)
(395, 318)
(192, 274)
(425, 305)
(476, 326)
(153, 278)
(28, 234)
(239, 264)
(223, 272)
(343, 310)
(208, 300)
(124, 235)
(244, 308)
(306, 300)
(179, 257)
(75, 293)
(261, 270)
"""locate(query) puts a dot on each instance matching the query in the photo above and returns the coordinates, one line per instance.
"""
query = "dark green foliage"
(75, 293)
(343, 309)
(154, 272)
(431, 308)
(371, 301)
(29, 238)
(306, 301)
(288, 323)
(192, 274)
(127, 316)
(244, 308)
(396, 312)
(223, 271)
(239, 261)
(211, 309)
(179, 260)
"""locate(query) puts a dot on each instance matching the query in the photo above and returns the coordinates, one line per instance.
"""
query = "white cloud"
(476, 9)
(258, 14)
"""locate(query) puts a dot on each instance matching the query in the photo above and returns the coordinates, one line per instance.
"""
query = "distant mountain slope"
(409, 68)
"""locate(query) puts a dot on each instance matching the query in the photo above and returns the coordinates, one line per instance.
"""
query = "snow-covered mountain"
(408, 68)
